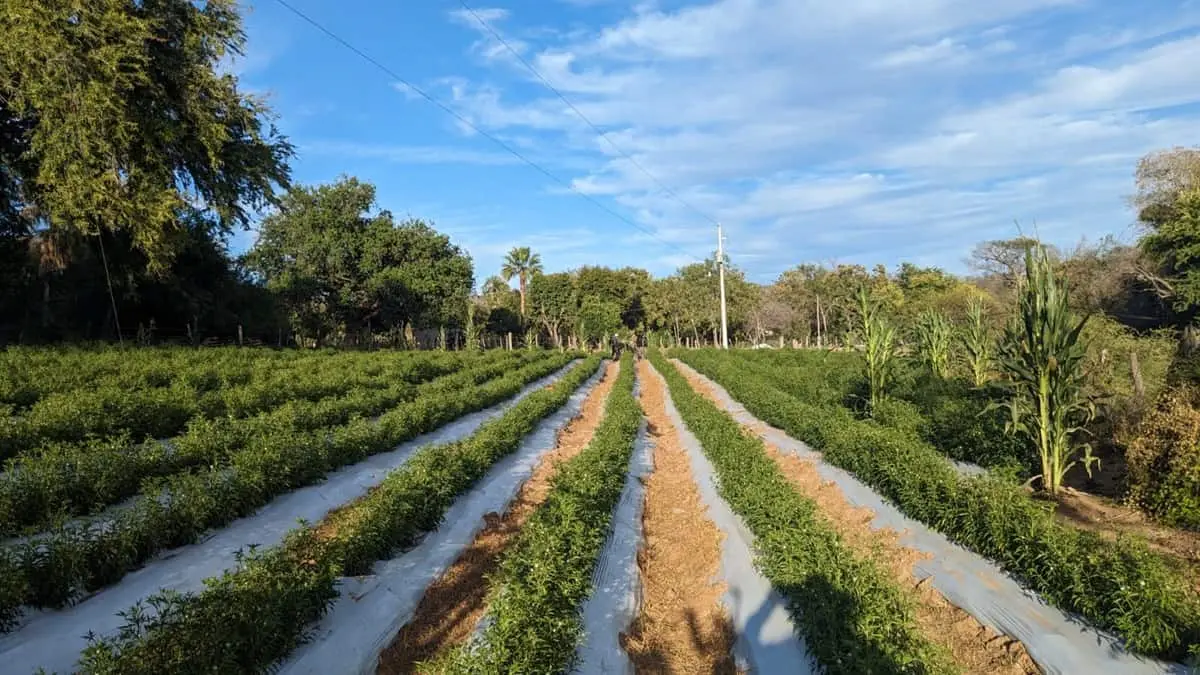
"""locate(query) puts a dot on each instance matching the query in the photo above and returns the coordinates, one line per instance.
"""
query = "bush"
(1164, 459)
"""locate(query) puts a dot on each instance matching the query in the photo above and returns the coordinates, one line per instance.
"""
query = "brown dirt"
(453, 605)
(1107, 518)
(682, 626)
(975, 647)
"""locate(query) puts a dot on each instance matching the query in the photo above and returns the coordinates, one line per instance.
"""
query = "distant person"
(615, 343)
(639, 344)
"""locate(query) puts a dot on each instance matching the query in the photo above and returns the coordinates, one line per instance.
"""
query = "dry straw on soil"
(453, 605)
(682, 626)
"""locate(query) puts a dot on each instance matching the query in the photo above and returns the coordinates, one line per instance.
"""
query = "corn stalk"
(1042, 357)
(880, 339)
(934, 335)
(977, 343)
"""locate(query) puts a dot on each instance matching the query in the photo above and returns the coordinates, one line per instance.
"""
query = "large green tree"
(115, 115)
(338, 268)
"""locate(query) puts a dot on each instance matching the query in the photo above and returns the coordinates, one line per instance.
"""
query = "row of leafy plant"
(1120, 586)
(56, 568)
(960, 420)
(534, 624)
(250, 618)
(853, 615)
(63, 480)
(106, 410)
(29, 373)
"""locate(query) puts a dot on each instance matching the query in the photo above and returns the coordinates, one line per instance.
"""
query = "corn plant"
(879, 337)
(977, 343)
(1042, 358)
(934, 336)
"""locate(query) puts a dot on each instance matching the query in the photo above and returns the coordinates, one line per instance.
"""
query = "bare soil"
(682, 627)
(453, 605)
(975, 647)
(1109, 518)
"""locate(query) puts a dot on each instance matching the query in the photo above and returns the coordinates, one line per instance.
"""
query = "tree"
(1004, 258)
(522, 264)
(338, 269)
(1173, 241)
(115, 117)
(553, 302)
(598, 318)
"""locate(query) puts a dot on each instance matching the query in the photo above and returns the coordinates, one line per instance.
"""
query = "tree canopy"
(340, 270)
(115, 115)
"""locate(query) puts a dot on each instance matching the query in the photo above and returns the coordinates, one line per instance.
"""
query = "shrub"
(1164, 459)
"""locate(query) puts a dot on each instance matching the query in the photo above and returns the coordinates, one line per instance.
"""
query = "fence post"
(239, 335)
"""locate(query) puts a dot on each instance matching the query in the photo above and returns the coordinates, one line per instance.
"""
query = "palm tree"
(522, 264)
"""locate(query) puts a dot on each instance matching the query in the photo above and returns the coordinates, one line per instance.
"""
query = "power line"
(391, 73)
(665, 188)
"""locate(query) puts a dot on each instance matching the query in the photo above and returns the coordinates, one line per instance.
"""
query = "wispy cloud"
(819, 130)
(408, 154)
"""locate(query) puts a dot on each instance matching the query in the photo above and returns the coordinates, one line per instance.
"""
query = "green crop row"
(248, 619)
(29, 373)
(1119, 585)
(853, 615)
(53, 569)
(107, 410)
(543, 579)
(948, 413)
(73, 479)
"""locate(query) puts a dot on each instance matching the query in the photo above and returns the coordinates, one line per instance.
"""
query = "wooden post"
(239, 335)
(1139, 387)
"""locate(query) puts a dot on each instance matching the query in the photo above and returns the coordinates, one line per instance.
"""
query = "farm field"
(545, 511)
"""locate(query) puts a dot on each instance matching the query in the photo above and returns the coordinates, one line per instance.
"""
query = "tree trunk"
(521, 281)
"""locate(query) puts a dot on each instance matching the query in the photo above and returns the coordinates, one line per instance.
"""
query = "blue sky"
(828, 131)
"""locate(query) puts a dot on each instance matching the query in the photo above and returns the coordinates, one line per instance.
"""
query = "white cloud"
(820, 129)
(407, 154)
(942, 51)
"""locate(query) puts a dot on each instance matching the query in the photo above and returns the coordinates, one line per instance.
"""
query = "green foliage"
(880, 339)
(978, 344)
(339, 271)
(547, 574)
(285, 589)
(598, 318)
(70, 479)
(935, 334)
(852, 614)
(1120, 586)
(1173, 240)
(124, 117)
(1042, 358)
(1164, 460)
(522, 264)
(54, 568)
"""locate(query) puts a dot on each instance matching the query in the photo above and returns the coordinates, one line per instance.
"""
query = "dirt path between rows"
(978, 649)
(682, 626)
(453, 605)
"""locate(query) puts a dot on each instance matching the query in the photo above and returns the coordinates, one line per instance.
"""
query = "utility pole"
(721, 275)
